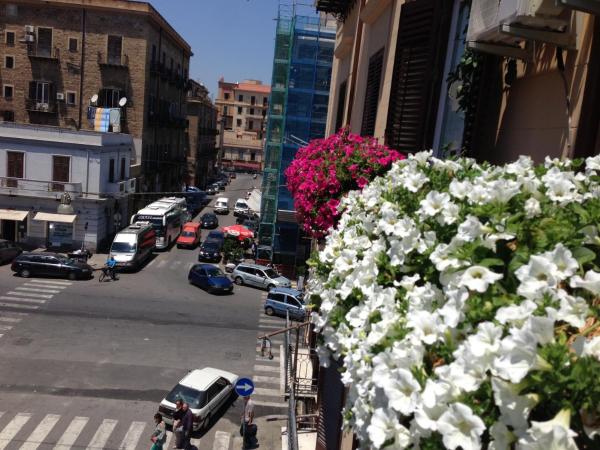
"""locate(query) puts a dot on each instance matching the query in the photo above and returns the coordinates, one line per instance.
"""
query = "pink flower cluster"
(326, 169)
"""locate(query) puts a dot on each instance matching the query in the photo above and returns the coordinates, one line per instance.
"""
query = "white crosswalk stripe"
(29, 289)
(270, 404)
(133, 436)
(67, 440)
(12, 319)
(27, 294)
(149, 265)
(161, 264)
(16, 305)
(12, 428)
(237, 442)
(265, 379)
(270, 326)
(102, 434)
(262, 368)
(46, 281)
(221, 441)
(36, 438)
(22, 299)
(5, 327)
(48, 286)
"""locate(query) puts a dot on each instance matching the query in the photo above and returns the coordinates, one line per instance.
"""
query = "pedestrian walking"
(159, 436)
(178, 424)
(254, 250)
(188, 425)
(248, 428)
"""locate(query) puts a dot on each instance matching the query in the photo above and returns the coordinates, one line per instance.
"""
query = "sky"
(230, 38)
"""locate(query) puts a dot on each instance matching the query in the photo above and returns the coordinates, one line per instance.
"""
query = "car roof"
(57, 255)
(254, 266)
(191, 225)
(216, 232)
(207, 266)
(289, 291)
(201, 379)
(223, 199)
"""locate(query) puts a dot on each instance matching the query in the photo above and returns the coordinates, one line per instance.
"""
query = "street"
(85, 364)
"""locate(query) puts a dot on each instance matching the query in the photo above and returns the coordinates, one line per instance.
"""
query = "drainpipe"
(87, 174)
(357, 42)
(82, 70)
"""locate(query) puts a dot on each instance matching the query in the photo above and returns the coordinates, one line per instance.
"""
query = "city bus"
(167, 215)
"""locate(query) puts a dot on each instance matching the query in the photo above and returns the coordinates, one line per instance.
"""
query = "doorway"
(8, 230)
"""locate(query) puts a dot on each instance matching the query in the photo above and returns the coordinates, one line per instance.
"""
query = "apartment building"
(104, 65)
(243, 117)
(86, 171)
(201, 149)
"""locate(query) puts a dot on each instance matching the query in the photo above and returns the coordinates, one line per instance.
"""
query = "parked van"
(133, 245)
(190, 235)
(222, 205)
(241, 207)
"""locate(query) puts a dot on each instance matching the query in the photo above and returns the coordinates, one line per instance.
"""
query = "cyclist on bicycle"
(111, 264)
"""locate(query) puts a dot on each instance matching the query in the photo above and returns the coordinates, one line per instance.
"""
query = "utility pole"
(221, 135)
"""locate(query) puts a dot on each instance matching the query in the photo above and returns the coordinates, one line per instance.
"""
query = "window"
(265, 101)
(153, 53)
(60, 171)
(44, 42)
(8, 116)
(240, 98)
(372, 94)
(277, 297)
(252, 156)
(9, 62)
(122, 169)
(226, 95)
(111, 171)
(73, 44)
(11, 10)
(239, 122)
(339, 117)
(164, 57)
(114, 49)
(15, 164)
(253, 100)
(71, 98)
(40, 91)
(250, 125)
(8, 91)
(293, 302)
(251, 111)
(225, 110)
(240, 110)
(109, 97)
(10, 38)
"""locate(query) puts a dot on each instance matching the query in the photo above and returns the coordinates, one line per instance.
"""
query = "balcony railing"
(32, 104)
(47, 53)
(37, 188)
(107, 60)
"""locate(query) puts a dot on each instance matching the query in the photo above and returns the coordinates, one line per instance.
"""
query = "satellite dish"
(94, 98)
(122, 102)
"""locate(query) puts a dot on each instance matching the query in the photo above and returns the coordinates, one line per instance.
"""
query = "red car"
(190, 235)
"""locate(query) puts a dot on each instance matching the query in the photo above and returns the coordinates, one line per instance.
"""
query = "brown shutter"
(330, 404)
(418, 72)
(339, 118)
(372, 94)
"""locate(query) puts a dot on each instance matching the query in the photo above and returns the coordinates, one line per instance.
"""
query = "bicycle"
(107, 272)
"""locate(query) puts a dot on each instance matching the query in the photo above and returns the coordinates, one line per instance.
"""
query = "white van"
(133, 245)
(222, 205)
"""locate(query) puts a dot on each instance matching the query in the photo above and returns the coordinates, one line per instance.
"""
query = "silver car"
(259, 276)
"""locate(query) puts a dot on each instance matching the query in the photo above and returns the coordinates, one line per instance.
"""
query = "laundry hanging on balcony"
(102, 119)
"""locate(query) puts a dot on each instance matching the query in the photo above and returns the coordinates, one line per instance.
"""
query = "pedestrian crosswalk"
(32, 431)
(30, 296)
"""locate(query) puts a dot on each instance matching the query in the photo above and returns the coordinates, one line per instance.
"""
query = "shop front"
(13, 224)
(59, 228)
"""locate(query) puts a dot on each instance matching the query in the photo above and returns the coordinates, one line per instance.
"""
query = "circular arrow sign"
(244, 387)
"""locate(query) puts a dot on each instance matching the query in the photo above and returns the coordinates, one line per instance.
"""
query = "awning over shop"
(48, 217)
(13, 214)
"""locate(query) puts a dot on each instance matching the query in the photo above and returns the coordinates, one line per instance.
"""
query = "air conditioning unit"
(510, 21)
(29, 29)
(132, 184)
(60, 96)
(29, 38)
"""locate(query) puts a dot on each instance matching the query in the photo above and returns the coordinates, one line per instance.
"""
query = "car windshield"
(241, 205)
(215, 235)
(196, 399)
(188, 234)
(122, 247)
(210, 247)
(208, 217)
(271, 273)
(214, 272)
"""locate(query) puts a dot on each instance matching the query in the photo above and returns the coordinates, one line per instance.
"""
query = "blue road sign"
(244, 387)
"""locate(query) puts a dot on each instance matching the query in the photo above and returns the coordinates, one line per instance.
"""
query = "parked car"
(210, 277)
(190, 235)
(8, 251)
(222, 184)
(216, 236)
(133, 245)
(283, 300)
(251, 224)
(50, 264)
(241, 207)
(259, 276)
(232, 175)
(222, 206)
(205, 391)
(209, 221)
(210, 251)
(212, 190)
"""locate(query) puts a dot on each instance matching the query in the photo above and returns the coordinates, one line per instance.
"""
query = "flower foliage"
(326, 169)
(462, 300)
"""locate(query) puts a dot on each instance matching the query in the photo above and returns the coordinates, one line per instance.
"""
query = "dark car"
(252, 225)
(209, 221)
(210, 277)
(51, 265)
(232, 175)
(222, 184)
(210, 251)
(8, 251)
(216, 236)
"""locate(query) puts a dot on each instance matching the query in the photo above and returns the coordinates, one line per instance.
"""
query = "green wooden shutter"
(372, 93)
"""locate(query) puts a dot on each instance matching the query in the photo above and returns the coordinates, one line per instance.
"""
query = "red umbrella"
(239, 231)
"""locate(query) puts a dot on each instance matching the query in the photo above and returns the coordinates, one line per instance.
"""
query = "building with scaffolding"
(302, 64)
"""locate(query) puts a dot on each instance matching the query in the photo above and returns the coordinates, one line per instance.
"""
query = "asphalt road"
(108, 352)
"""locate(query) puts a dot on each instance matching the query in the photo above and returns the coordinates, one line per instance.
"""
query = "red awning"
(243, 164)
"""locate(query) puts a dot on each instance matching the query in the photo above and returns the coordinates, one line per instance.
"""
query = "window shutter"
(339, 118)
(372, 94)
(330, 404)
(418, 71)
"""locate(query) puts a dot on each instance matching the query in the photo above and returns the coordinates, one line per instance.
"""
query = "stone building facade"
(60, 57)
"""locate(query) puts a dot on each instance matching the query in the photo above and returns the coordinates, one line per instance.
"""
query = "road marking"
(265, 359)
(5, 327)
(264, 326)
(45, 281)
(221, 441)
(50, 286)
(260, 368)
(16, 305)
(267, 392)
(265, 379)
(19, 299)
(1, 335)
(12, 428)
(161, 264)
(10, 319)
(102, 434)
(67, 440)
(41, 431)
(28, 294)
(49, 291)
(238, 442)
(150, 264)
(133, 436)
(268, 320)
(270, 404)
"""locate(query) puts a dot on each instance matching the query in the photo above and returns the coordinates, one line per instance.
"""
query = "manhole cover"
(22, 341)
(233, 355)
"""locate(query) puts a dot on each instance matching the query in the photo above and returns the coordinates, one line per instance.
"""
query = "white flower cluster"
(438, 291)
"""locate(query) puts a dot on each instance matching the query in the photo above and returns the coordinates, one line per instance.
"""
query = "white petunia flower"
(384, 426)
(459, 189)
(573, 310)
(562, 258)
(470, 229)
(502, 437)
(590, 282)
(459, 427)
(426, 326)
(591, 347)
(514, 408)
(433, 204)
(478, 278)
(532, 208)
(539, 274)
(516, 314)
(518, 355)
(554, 434)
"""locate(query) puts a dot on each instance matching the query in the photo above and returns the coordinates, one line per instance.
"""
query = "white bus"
(167, 215)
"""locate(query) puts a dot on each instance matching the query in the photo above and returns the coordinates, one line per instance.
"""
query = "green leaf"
(491, 262)
(584, 255)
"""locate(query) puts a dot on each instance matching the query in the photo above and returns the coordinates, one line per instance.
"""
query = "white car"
(222, 206)
(205, 390)
(241, 207)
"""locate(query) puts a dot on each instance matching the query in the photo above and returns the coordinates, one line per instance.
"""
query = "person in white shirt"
(248, 429)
